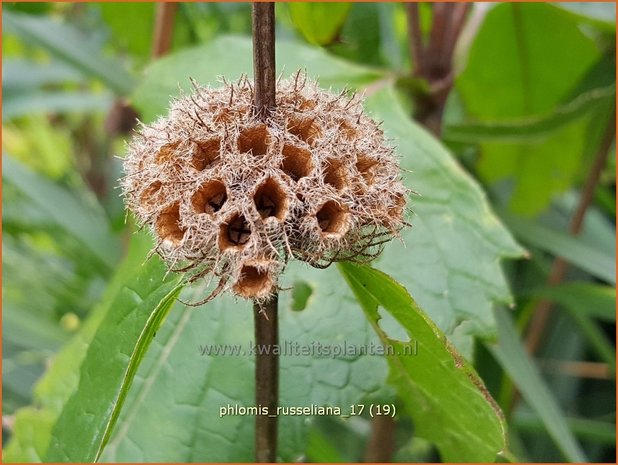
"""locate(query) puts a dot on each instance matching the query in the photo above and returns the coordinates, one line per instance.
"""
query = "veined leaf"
(179, 375)
(113, 357)
(450, 258)
(442, 392)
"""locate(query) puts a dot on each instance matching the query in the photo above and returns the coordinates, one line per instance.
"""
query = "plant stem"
(266, 379)
(382, 440)
(265, 314)
(264, 57)
(164, 27)
(543, 309)
(415, 39)
(433, 61)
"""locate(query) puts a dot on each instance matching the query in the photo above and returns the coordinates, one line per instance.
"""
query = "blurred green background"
(530, 116)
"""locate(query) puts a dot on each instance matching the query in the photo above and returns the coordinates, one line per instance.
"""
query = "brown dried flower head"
(231, 197)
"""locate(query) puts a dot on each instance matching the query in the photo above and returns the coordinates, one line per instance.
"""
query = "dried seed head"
(233, 197)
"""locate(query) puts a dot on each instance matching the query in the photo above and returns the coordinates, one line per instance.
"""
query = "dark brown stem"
(164, 27)
(434, 61)
(543, 309)
(265, 315)
(264, 57)
(266, 379)
(415, 39)
(458, 19)
(437, 36)
(381, 442)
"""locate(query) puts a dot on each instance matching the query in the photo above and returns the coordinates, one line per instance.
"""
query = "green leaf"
(360, 39)
(533, 127)
(86, 222)
(177, 376)
(62, 378)
(31, 432)
(517, 363)
(585, 301)
(131, 25)
(19, 74)
(28, 103)
(585, 256)
(111, 362)
(167, 76)
(319, 23)
(450, 258)
(528, 78)
(593, 300)
(533, 75)
(69, 45)
(598, 14)
(446, 398)
(593, 430)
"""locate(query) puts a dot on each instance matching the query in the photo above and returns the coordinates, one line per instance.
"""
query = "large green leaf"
(205, 64)
(528, 77)
(516, 362)
(111, 362)
(450, 258)
(69, 45)
(443, 393)
(177, 376)
(318, 22)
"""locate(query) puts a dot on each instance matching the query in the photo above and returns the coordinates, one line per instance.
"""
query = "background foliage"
(90, 326)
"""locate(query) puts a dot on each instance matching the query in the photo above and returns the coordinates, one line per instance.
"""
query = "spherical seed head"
(232, 197)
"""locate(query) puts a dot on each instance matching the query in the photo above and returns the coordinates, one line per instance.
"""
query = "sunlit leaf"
(319, 22)
(527, 78)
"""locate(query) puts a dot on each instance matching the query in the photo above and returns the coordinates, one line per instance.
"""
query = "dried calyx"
(231, 197)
